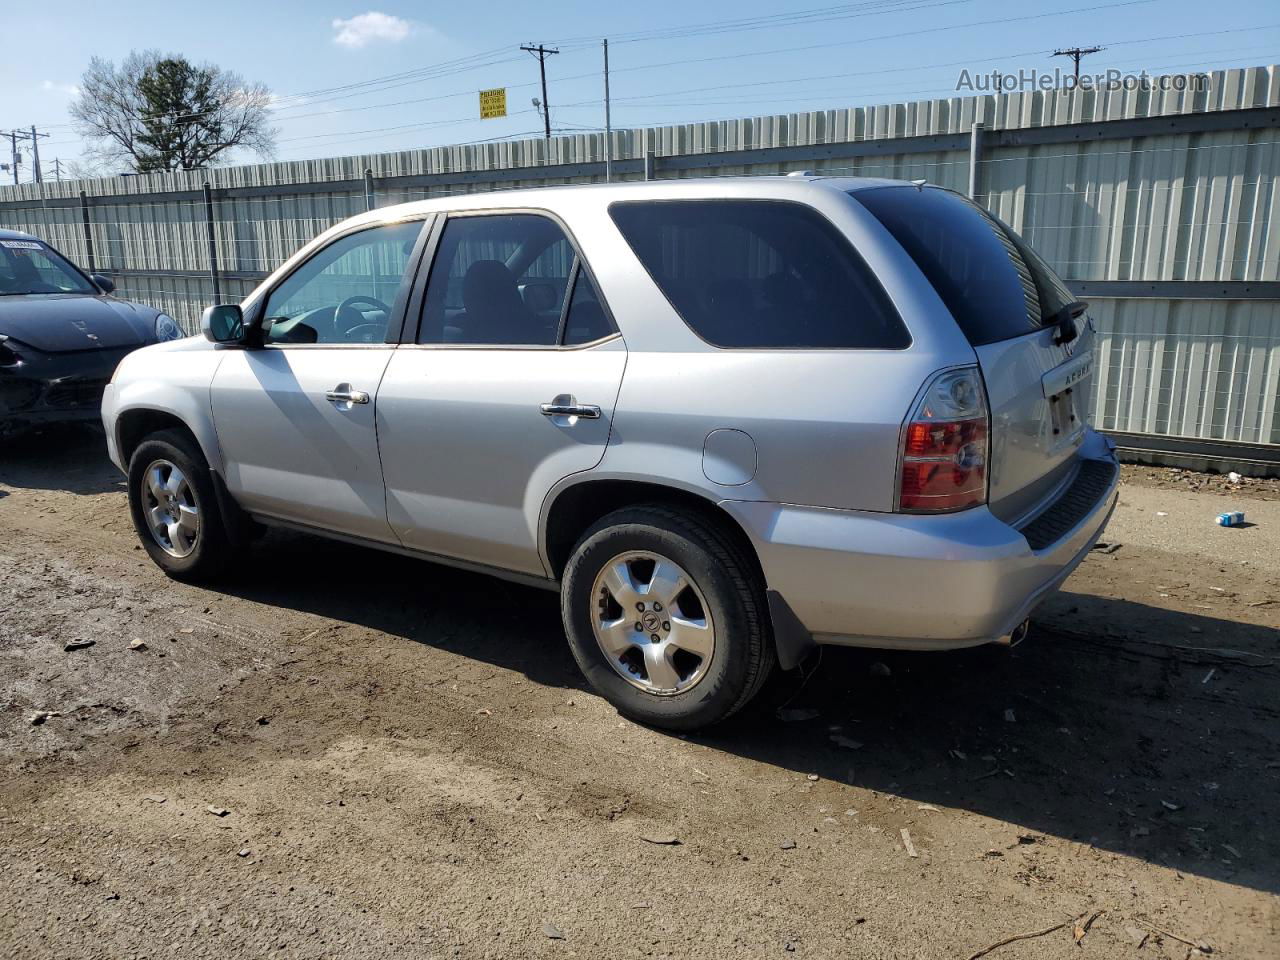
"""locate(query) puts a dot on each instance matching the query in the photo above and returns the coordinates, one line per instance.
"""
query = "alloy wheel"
(170, 509)
(652, 623)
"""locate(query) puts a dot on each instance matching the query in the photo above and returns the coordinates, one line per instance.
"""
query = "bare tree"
(158, 112)
(86, 168)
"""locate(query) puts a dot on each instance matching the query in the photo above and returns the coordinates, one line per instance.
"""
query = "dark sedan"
(61, 335)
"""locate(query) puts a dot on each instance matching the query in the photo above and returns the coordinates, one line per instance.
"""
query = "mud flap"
(240, 529)
(792, 640)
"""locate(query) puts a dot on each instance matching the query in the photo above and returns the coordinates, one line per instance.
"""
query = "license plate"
(1067, 375)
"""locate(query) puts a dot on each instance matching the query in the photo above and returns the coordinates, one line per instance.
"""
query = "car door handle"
(566, 407)
(346, 396)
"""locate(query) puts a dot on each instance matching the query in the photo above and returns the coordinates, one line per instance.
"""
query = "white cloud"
(66, 89)
(372, 27)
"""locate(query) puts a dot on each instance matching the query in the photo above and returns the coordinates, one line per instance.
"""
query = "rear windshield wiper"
(1065, 320)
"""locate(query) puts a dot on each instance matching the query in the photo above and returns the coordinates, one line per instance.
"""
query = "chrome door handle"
(346, 396)
(567, 407)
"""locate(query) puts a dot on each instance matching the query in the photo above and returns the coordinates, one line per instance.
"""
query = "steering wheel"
(355, 329)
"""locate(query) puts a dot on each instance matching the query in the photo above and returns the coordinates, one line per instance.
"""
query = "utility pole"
(608, 127)
(34, 136)
(1076, 54)
(35, 154)
(57, 169)
(542, 53)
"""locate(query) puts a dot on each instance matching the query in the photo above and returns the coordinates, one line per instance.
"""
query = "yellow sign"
(493, 103)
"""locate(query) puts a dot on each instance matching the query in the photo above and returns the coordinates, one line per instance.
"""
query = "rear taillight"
(944, 445)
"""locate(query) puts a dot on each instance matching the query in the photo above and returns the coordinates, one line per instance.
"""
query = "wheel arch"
(135, 424)
(574, 508)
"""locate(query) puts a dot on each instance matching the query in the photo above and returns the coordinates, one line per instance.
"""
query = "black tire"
(212, 551)
(743, 657)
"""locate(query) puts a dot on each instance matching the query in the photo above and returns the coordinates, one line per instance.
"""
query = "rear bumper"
(922, 582)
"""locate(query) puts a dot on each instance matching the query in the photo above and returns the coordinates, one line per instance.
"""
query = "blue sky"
(671, 62)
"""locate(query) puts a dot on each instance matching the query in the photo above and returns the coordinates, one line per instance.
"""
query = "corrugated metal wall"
(1109, 206)
(1189, 368)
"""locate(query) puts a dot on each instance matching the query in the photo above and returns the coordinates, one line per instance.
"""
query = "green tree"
(157, 112)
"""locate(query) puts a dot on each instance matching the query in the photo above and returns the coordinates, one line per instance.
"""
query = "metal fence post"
(648, 164)
(213, 243)
(88, 232)
(975, 160)
(368, 189)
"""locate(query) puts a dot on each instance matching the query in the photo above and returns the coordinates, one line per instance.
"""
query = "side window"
(586, 319)
(760, 274)
(345, 293)
(994, 284)
(498, 279)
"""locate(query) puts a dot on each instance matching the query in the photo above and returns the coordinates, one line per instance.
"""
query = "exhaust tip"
(1017, 636)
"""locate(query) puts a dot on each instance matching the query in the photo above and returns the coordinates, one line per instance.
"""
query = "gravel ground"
(409, 765)
(1242, 489)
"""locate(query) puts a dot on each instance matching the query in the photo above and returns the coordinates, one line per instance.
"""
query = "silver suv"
(727, 419)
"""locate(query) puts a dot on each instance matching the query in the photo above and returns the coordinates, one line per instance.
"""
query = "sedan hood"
(59, 323)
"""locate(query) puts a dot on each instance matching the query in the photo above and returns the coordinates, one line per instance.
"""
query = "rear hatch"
(1033, 342)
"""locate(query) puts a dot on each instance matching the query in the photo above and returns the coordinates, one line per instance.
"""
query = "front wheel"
(175, 509)
(666, 618)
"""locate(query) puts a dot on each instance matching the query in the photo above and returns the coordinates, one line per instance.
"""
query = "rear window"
(993, 283)
(761, 274)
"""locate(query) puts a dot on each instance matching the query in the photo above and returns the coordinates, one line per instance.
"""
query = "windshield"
(28, 266)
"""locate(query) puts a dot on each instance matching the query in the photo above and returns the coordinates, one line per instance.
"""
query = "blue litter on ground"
(1233, 518)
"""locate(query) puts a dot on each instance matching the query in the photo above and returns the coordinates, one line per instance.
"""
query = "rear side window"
(995, 285)
(761, 274)
(498, 279)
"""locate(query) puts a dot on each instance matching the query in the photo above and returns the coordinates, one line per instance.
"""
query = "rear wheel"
(175, 509)
(666, 618)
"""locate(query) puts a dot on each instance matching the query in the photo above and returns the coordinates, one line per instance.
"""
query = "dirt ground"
(410, 766)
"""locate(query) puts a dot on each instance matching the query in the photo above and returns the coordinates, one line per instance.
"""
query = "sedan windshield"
(30, 267)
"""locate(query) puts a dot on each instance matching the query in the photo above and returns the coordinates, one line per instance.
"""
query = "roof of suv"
(15, 235)
(765, 184)
(765, 187)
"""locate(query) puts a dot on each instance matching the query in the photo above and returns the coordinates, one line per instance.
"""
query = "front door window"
(346, 293)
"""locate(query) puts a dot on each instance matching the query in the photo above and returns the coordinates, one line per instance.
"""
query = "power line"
(302, 98)
(485, 59)
(404, 126)
(459, 65)
(768, 51)
(465, 64)
(910, 68)
(478, 60)
(773, 21)
(655, 99)
(884, 36)
(812, 99)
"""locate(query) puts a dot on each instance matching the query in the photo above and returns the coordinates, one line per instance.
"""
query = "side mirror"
(223, 323)
(105, 284)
